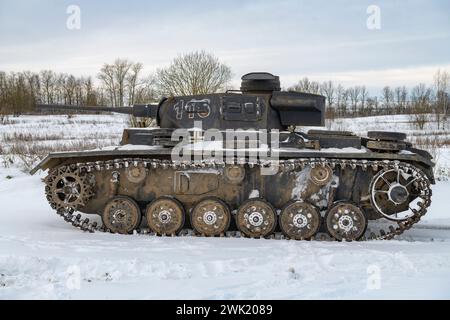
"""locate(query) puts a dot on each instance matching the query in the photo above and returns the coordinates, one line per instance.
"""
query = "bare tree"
(120, 80)
(146, 90)
(133, 81)
(91, 96)
(371, 105)
(34, 85)
(307, 86)
(328, 90)
(48, 83)
(388, 97)
(121, 68)
(353, 94)
(363, 97)
(341, 100)
(420, 98)
(315, 88)
(69, 84)
(442, 87)
(194, 73)
(301, 86)
(400, 96)
(18, 92)
(107, 77)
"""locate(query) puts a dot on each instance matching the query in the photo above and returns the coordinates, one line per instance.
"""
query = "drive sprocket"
(67, 188)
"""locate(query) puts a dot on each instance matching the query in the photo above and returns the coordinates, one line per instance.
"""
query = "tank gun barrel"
(137, 110)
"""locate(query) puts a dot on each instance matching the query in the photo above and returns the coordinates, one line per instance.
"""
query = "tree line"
(123, 82)
(357, 101)
(119, 83)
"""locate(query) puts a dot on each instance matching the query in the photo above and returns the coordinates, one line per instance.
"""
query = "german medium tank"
(234, 164)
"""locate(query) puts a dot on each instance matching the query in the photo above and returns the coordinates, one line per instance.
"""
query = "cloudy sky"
(292, 38)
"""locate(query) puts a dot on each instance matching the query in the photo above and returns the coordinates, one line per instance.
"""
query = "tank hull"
(146, 174)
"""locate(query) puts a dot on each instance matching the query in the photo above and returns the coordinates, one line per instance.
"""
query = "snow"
(62, 132)
(254, 194)
(128, 147)
(301, 183)
(42, 257)
(71, 128)
(327, 150)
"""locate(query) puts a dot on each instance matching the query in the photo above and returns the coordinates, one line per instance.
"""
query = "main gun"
(137, 110)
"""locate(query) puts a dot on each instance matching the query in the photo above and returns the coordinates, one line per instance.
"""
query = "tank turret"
(258, 105)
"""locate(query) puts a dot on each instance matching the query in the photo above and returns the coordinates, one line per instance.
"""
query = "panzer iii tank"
(233, 164)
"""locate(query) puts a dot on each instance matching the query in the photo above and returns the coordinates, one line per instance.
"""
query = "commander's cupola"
(263, 82)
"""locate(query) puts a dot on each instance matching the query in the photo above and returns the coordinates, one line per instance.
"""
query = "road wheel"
(346, 221)
(165, 216)
(299, 220)
(256, 218)
(211, 217)
(121, 215)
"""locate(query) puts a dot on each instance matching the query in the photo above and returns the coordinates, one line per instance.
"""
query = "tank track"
(394, 229)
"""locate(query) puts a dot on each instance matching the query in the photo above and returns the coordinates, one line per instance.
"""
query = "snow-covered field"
(42, 257)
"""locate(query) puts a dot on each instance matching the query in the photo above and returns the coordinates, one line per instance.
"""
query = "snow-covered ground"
(41, 256)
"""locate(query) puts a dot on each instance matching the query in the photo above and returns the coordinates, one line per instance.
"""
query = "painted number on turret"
(200, 108)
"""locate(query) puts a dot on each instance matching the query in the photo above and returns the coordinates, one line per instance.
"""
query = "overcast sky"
(291, 38)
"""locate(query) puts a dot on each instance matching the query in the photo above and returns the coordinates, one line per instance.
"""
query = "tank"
(235, 164)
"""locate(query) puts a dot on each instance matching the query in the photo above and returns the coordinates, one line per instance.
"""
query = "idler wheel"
(346, 221)
(299, 220)
(256, 218)
(121, 215)
(321, 175)
(211, 217)
(165, 216)
(392, 191)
